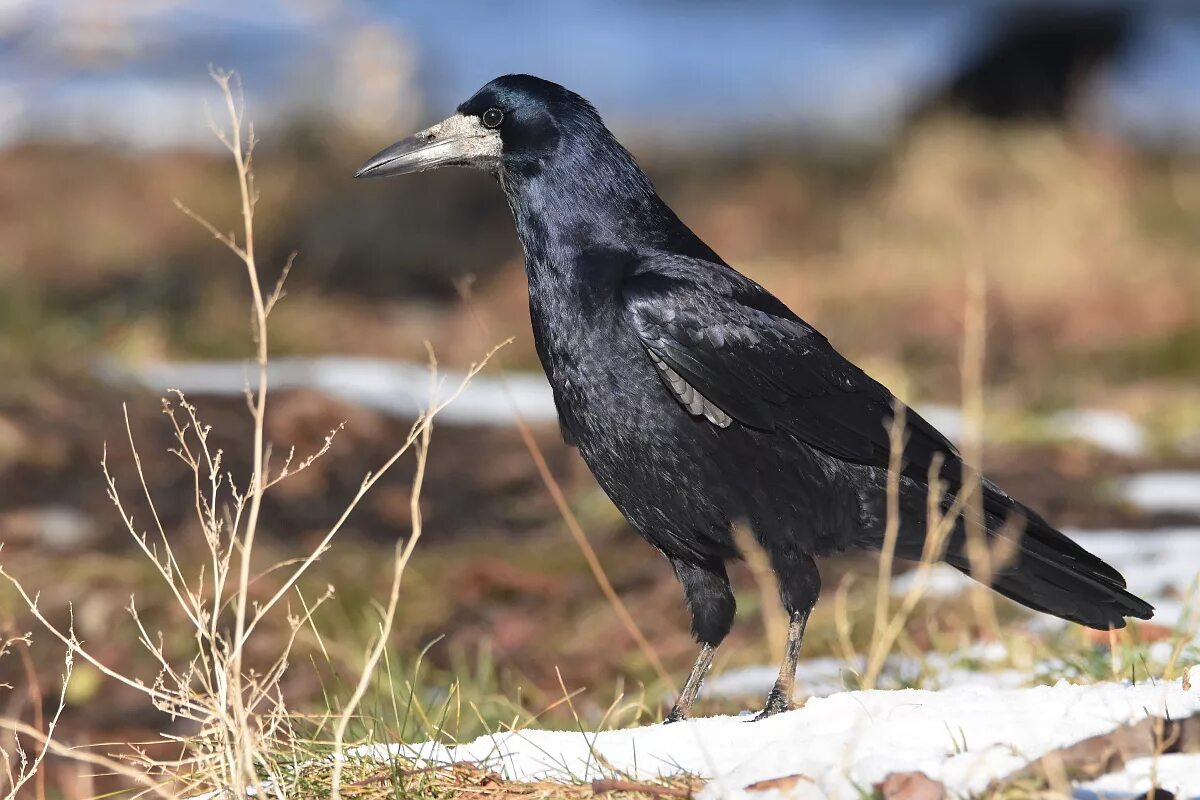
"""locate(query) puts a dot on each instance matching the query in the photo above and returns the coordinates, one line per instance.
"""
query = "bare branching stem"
(242, 152)
(243, 730)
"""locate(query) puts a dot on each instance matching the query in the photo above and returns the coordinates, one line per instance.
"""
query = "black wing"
(727, 340)
(742, 353)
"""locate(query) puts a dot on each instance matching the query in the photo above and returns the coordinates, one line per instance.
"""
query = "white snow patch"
(393, 387)
(821, 677)
(1112, 431)
(946, 418)
(815, 677)
(941, 581)
(965, 737)
(1160, 564)
(1164, 492)
(1178, 773)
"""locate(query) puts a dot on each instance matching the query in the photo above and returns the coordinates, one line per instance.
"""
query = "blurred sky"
(135, 71)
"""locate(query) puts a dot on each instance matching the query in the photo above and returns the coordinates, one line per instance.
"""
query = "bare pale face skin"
(460, 140)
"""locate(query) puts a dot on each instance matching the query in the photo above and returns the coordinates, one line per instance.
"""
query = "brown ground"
(1094, 300)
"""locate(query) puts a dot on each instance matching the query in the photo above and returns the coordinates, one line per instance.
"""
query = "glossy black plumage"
(699, 400)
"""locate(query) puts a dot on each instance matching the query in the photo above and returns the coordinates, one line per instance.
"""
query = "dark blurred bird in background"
(700, 401)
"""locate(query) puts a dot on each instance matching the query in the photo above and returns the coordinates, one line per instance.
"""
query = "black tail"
(1051, 573)
(1048, 572)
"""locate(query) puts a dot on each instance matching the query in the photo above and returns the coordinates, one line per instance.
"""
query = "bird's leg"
(683, 705)
(780, 697)
(706, 588)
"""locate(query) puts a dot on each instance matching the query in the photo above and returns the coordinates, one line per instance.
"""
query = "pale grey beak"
(460, 141)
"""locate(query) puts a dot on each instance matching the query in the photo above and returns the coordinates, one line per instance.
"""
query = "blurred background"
(855, 158)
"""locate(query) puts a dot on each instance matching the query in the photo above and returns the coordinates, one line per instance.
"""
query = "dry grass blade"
(403, 554)
(967, 504)
(640, 787)
(775, 619)
(979, 553)
(472, 781)
(881, 641)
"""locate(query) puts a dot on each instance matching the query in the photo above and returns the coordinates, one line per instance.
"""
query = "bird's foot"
(776, 703)
(677, 715)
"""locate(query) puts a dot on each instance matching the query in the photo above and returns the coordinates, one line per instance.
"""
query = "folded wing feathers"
(696, 403)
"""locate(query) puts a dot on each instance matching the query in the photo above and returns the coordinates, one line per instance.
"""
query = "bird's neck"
(587, 198)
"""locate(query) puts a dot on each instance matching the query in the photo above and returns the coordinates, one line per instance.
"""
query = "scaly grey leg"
(780, 697)
(683, 706)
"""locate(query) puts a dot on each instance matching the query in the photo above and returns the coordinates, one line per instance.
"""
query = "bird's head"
(510, 125)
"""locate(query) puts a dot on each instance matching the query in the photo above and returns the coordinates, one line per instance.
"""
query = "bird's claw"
(776, 704)
(677, 715)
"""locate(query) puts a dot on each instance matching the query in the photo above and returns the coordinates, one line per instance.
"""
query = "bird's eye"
(493, 117)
